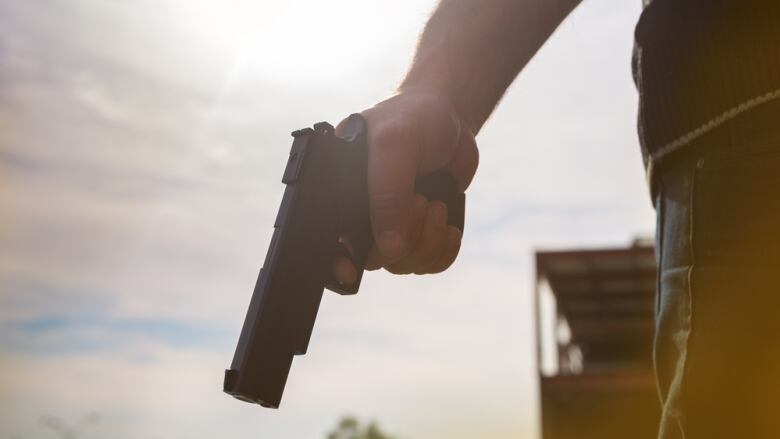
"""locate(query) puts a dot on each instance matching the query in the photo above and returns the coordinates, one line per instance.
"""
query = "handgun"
(325, 202)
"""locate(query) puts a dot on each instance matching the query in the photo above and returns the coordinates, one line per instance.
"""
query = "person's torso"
(700, 63)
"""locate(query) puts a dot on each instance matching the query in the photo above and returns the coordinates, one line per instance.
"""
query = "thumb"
(392, 168)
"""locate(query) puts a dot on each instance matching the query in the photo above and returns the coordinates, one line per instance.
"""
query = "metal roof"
(607, 299)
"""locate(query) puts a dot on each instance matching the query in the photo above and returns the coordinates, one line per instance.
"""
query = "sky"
(141, 151)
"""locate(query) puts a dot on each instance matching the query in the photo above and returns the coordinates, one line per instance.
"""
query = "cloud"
(140, 165)
(57, 334)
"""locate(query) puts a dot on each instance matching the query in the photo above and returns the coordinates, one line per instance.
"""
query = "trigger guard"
(340, 249)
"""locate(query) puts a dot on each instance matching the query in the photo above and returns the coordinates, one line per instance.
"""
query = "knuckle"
(392, 134)
(383, 203)
(437, 205)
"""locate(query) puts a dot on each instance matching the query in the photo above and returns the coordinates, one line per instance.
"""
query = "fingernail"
(390, 243)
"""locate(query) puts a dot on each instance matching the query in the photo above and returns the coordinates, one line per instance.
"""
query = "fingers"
(437, 246)
(375, 260)
(454, 236)
(378, 259)
(432, 243)
(464, 162)
(344, 270)
(435, 250)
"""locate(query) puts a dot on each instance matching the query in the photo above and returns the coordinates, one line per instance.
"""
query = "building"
(595, 328)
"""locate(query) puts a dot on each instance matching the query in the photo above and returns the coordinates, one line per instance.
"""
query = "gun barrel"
(288, 291)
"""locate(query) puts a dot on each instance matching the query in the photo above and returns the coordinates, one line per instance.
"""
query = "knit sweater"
(700, 63)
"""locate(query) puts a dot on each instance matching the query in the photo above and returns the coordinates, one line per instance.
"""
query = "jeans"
(717, 342)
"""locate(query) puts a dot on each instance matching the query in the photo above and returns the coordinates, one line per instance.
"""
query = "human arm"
(469, 53)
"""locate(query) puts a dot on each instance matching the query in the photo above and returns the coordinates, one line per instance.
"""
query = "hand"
(411, 134)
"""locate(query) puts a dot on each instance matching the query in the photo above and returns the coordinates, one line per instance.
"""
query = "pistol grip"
(353, 209)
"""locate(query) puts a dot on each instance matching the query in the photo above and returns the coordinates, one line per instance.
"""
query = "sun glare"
(285, 41)
(227, 26)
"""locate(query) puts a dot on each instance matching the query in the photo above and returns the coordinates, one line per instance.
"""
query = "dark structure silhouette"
(595, 326)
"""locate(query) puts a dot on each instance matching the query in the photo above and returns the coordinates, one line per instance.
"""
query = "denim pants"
(717, 343)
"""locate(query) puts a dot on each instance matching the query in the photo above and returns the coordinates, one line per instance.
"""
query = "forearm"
(471, 50)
